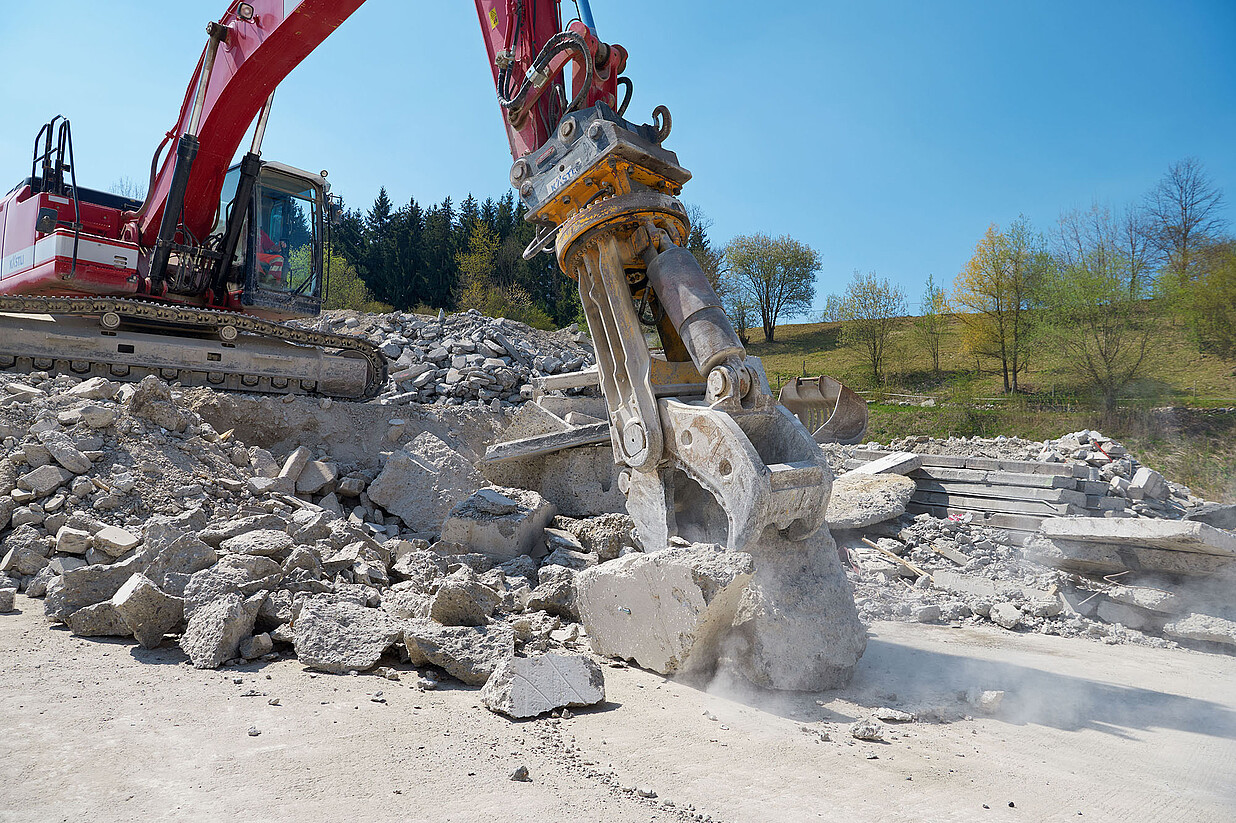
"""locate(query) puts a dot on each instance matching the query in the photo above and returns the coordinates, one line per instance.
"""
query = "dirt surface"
(108, 731)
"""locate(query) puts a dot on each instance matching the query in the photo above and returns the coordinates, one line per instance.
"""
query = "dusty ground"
(106, 731)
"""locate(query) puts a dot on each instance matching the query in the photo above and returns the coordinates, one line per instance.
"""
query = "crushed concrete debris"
(1133, 560)
(462, 358)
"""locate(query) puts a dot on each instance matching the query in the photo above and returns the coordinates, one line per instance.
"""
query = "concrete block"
(148, 613)
(462, 600)
(115, 541)
(861, 500)
(500, 522)
(1110, 611)
(797, 627)
(216, 630)
(470, 654)
(1219, 515)
(580, 482)
(72, 541)
(99, 620)
(315, 477)
(1145, 597)
(666, 611)
(523, 687)
(85, 586)
(338, 636)
(422, 482)
(1150, 483)
(295, 463)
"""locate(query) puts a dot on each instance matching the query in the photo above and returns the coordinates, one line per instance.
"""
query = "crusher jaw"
(708, 453)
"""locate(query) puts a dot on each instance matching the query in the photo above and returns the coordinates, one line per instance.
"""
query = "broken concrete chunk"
(555, 592)
(1145, 597)
(666, 611)
(422, 482)
(217, 533)
(79, 588)
(99, 620)
(254, 647)
(1006, 615)
(501, 523)
(1148, 484)
(186, 555)
(295, 463)
(8, 599)
(468, 653)
(315, 477)
(216, 630)
(64, 452)
(1203, 627)
(241, 574)
(1110, 611)
(462, 600)
(605, 536)
(263, 543)
(44, 480)
(115, 541)
(338, 636)
(797, 627)
(72, 541)
(861, 500)
(148, 612)
(529, 686)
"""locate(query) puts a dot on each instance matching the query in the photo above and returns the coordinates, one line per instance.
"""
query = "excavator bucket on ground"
(832, 412)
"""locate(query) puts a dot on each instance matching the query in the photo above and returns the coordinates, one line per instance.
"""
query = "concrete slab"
(895, 463)
(1167, 535)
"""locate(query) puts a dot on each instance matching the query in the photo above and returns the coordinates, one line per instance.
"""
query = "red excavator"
(193, 283)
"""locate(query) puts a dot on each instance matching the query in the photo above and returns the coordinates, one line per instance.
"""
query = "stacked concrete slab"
(1016, 495)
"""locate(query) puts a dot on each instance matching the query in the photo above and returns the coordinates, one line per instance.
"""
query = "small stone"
(253, 731)
(867, 729)
(1006, 615)
(520, 775)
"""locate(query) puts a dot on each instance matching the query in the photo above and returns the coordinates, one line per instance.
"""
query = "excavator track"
(127, 339)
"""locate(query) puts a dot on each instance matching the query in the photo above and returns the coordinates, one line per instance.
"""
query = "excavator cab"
(277, 265)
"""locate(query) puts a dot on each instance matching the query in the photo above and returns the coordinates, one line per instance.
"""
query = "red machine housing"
(80, 242)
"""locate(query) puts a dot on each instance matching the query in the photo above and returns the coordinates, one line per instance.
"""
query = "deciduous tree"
(869, 311)
(1095, 316)
(994, 295)
(932, 324)
(777, 276)
(1186, 213)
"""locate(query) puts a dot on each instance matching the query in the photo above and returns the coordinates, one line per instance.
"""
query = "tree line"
(442, 257)
(1091, 294)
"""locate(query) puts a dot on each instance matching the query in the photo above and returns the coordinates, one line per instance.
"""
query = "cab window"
(287, 219)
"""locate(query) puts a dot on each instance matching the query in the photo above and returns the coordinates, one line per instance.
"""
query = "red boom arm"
(527, 49)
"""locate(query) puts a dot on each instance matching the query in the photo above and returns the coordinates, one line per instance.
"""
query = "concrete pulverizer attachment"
(709, 455)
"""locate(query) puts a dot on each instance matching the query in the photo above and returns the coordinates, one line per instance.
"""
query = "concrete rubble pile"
(1147, 562)
(462, 358)
(129, 516)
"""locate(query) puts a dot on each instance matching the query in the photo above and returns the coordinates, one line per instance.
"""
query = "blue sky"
(887, 135)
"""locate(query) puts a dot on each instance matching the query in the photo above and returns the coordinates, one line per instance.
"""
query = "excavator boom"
(708, 454)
